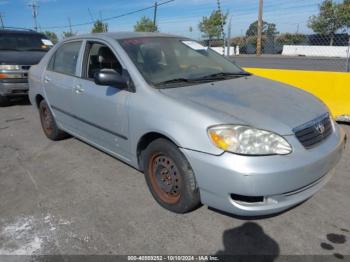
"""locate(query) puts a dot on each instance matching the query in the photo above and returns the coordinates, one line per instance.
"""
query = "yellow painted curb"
(331, 87)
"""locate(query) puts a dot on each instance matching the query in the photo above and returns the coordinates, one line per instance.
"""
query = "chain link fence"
(290, 51)
(321, 40)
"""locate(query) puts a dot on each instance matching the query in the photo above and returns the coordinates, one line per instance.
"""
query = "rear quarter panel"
(35, 77)
(34, 80)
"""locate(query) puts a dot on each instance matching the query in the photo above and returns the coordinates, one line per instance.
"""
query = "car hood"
(252, 101)
(21, 57)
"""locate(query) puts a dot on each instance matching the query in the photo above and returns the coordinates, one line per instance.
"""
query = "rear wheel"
(4, 101)
(48, 123)
(170, 177)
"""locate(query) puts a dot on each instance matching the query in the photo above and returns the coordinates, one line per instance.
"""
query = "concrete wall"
(318, 51)
(233, 50)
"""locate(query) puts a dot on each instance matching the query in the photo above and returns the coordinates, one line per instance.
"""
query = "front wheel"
(170, 177)
(48, 123)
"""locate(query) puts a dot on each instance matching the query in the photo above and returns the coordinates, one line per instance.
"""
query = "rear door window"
(65, 59)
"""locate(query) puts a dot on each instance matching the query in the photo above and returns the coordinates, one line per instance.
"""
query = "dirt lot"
(69, 198)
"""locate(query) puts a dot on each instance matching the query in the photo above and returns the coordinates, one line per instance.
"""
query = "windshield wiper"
(223, 75)
(176, 80)
(217, 76)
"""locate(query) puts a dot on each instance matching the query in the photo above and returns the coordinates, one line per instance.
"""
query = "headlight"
(9, 67)
(246, 140)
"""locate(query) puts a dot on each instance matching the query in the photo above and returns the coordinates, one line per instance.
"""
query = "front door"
(102, 111)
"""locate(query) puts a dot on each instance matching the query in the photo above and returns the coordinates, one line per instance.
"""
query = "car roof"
(20, 31)
(124, 35)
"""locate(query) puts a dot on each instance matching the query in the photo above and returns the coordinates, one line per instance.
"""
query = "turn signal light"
(2, 76)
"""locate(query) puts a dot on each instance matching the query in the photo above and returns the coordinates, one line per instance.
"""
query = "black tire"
(4, 101)
(179, 193)
(48, 123)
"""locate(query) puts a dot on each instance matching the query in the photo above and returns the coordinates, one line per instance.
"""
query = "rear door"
(102, 111)
(59, 80)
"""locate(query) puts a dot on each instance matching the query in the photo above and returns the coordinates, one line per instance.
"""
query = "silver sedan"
(201, 129)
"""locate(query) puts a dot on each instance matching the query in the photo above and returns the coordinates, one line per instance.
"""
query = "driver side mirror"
(109, 77)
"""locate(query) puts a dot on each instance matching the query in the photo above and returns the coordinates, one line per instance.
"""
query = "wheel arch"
(38, 99)
(147, 139)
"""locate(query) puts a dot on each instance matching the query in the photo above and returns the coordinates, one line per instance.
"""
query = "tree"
(332, 17)
(239, 40)
(99, 27)
(211, 26)
(145, 24)
(269, 29)
(344, 10)
(291, 39)
(68, 34)
(268, 34)
(52, 36)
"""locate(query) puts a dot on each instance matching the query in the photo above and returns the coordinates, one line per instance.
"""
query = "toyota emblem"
(320, 128)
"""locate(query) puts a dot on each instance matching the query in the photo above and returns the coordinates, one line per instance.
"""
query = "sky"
(175, 17)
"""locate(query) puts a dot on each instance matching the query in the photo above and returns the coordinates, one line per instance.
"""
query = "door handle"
(78, 89)
(47, 79)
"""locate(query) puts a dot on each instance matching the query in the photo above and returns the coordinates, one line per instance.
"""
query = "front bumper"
(282, 181)
(14, 88)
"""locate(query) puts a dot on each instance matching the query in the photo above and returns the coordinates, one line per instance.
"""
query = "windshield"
(24, 42)
(165, 61)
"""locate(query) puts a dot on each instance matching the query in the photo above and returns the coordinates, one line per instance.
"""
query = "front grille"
(315, 131)
(25, 67)
(14, 80)
(19, 91)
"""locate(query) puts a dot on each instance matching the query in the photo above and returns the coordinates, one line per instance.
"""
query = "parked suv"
(19, 49)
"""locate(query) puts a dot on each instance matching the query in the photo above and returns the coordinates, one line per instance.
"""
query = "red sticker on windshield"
(136, 41)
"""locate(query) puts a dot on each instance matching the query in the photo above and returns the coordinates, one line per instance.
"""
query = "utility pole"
(229, 37)
(260, 28)
(91, 16)
(70, 26)
(155, 15)
(103, 25)
(222, 27)
(34, 7)
(348, 60)
(2, 20)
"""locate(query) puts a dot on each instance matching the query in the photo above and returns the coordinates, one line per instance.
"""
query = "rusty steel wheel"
(165, 178)
(46, 119)
(169, 177)
(48, 123)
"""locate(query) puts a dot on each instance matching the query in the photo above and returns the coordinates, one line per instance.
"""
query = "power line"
(112, 17)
